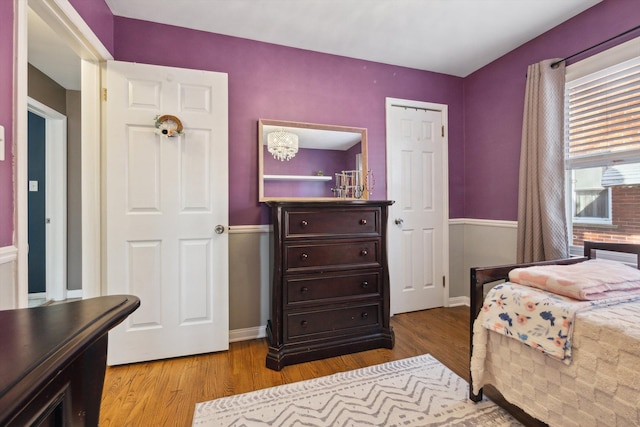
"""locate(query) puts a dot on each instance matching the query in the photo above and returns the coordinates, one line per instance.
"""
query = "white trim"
(20, 133)
(458, 301)
(245, 229)
(607, 58)
(267, 228)
(65, 20)
(91, 187)
(457, 221)
(8, 254)
(247, 334)
(38, 295)
(484, 222)
(74, 294)
(36, 299)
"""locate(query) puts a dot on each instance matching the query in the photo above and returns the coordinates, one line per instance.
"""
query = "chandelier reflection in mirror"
(353, 184)
(282, 145)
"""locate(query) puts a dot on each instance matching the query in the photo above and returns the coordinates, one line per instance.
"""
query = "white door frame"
(443, 109)
(62, 17)
(55, 198)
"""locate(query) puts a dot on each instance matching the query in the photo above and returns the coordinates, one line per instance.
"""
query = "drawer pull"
(303, 223)
(304, 256)
(304, 323)
(304, 290)
(364, 315)
(363, 221)
(364, 285)
(364, 252)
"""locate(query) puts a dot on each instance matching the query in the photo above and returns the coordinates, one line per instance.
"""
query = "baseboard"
(247, 334)
(71, 294)
(74, 293)
(457, 301)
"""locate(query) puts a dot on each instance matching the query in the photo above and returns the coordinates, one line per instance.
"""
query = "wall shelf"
(297, 178)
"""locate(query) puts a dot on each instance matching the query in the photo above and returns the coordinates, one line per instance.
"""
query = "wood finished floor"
(164, 393)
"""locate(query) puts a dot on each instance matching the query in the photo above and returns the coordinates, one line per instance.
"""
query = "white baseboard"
(75, 293)
(247, 334)
(71, 294)
(457, 301)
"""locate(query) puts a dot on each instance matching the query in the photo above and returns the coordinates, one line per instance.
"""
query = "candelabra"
(352, 184)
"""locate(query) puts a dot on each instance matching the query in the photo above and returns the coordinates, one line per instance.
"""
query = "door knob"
(219, 229)
(398, 221)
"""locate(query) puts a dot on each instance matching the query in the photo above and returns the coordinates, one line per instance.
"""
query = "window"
(602, 149)
(591, 201)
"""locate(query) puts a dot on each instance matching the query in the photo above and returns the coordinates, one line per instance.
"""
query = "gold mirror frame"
(306, 132)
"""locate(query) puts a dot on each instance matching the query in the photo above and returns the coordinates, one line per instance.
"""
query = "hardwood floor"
(164, 393)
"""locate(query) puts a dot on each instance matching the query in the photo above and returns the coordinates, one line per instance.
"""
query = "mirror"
(326, 162)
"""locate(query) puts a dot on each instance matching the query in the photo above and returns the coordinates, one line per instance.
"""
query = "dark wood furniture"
(481, 276)
(53, 360)
(330, 289)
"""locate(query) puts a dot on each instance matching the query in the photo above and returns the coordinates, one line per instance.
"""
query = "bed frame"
(480, 276)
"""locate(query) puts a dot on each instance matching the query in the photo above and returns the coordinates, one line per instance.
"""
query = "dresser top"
(331, 203)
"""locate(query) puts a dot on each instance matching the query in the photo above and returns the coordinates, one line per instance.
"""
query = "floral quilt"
(540, 319)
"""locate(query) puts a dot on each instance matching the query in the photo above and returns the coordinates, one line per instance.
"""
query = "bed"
(599, 384)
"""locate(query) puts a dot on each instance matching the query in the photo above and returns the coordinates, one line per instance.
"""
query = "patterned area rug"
(418, 391)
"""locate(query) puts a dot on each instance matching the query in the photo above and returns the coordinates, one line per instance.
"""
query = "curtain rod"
(555, 64)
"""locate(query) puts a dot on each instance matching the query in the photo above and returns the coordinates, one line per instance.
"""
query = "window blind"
(603, 120)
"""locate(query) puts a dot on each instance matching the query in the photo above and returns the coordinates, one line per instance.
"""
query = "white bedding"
(601, 387)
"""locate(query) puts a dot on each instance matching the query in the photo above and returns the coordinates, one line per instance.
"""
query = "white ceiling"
(455, 37)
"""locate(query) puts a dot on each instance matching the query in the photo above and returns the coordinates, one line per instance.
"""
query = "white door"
(164, 198)
(55, 187)
(416, 181)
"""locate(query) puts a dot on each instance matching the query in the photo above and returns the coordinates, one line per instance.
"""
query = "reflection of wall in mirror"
(307, 162)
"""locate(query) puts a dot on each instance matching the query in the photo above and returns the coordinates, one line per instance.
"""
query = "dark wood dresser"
(53, 360)
(330, 289)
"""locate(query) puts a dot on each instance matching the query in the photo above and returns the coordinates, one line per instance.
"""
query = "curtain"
(542, 222)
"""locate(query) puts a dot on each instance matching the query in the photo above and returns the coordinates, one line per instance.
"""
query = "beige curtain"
(542, 224)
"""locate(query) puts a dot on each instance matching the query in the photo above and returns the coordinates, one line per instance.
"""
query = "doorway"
(47, 203)
(37, 210)
(67, 25)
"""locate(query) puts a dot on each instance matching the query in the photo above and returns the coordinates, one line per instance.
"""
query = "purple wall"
(494, 104)
(275, 82)
(6, 120)
(98, 16)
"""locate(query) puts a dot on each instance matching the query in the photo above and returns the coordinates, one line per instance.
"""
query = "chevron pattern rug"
(418, 391)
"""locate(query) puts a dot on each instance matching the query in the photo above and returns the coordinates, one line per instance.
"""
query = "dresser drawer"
(332, 255)
(336, 320)
(331, 287)
(334, 222)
